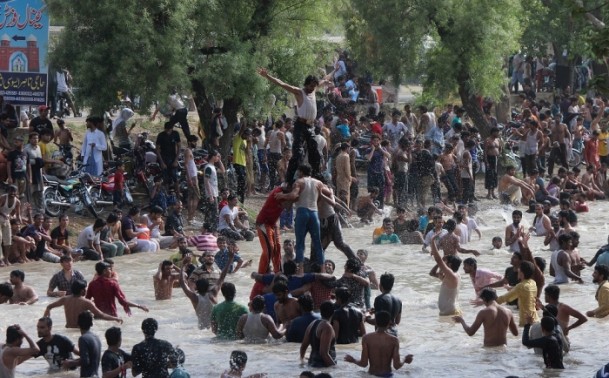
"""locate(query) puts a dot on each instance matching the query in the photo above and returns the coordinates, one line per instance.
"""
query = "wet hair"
(517, 212)
(307, 374)
(113, 336)
(280, 287)
(238, 359)
(258, 303)
(527, 269)
(454, 262)
(563, 239)
(19, 274)
(100, 267)
(343, 294)
(311, 80)
(471, 261)
(6, 290)
(47, 320)
(77, 287)
(412, 225)
(178, 357)
(65, 258)
(228, 291)
(450, 225)
(382, 318)
(85, 320)
(603, 270)
(552, 291)
(353, 265)
(326, 310)
(289, 267)
(12, 334)
(306, 302)
(548, 323)
(149, 326)
(488, 294)
(551, 311)
(305, 170)
(387, 280)
(540, 262)
(331, 262)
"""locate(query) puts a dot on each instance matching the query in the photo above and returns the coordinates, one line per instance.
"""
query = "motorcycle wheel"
(88, 202)
(51, 195)
(575, 158)
(96, 195)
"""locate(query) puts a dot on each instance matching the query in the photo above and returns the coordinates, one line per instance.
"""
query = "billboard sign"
(24, 40)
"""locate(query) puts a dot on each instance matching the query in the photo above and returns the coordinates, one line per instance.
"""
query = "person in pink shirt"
(480, 277)
(207, 241)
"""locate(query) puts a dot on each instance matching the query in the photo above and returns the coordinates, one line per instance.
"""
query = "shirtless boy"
(76, 303)
(450, 242)
(22, 294)
(494, 318)
(366, 207)
(511, 189)
(380, 349)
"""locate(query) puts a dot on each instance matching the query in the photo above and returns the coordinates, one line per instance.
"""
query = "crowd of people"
(312, 175)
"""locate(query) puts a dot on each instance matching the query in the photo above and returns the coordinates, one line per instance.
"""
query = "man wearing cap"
(395, 130)
(306, 110)
(42, 122)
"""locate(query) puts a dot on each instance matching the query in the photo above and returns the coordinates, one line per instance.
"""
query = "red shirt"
(271, 210)
(376, 128)
(119, 179)
(103, 291)
(591, 152)
(222, 204)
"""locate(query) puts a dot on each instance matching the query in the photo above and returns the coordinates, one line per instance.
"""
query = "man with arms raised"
(495, 319)
(380, 349)
(12, 354)
(164, 280)
(76, 303)
(449, 290)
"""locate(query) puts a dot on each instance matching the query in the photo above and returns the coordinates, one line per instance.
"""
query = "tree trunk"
(230, 111)
(472, 106)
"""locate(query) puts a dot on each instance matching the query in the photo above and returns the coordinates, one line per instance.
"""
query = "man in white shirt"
(88, 240)
(395, 130)
(93, 146)
(180, 113)
(229, 224)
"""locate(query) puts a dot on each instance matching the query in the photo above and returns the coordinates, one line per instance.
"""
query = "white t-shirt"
(396, 131)
(464, 237)
(86, 235)
(471, 226)
(429, 236)
(62, 85)
(175, 102)
(226, 210)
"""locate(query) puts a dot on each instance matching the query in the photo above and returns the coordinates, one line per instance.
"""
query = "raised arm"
(189, 293)
(231, 256)
(290, 88)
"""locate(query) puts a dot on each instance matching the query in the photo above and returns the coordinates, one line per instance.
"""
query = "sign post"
(24, 40)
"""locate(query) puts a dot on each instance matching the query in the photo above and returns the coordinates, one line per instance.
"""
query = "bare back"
(381, 348)
(496, 320)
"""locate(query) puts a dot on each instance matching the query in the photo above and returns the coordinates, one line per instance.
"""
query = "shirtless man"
(22, 294)
(552, 293)
(276, 144)
(63, 138)
(380, 349)
(560, 136)
(514, 232)
(166, 277)
(513, 189)
(494, 318)
(451, 281)
(577, 262)
(286, 307)
(447, 159)
(492, 150)
(76, 303)
(588, 182)
(12, 353)
(450, 244)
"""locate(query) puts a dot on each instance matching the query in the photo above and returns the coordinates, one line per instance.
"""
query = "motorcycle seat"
(58, 180)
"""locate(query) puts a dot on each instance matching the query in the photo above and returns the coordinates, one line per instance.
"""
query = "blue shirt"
(221, 259)
(294, 282)
(436, 136)
(298, 327)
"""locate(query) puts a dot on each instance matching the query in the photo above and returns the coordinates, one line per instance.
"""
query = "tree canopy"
(210, 48)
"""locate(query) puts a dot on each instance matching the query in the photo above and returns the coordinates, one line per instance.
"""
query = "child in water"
(497, 243)
(238, 360)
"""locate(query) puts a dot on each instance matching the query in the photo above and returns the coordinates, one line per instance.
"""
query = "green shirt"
(387, 239)
(226, 315)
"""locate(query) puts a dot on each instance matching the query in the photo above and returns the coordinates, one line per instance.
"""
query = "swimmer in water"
(380, 349)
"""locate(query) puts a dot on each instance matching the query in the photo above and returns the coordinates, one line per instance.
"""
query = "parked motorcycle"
(58, 195)
(102, 192)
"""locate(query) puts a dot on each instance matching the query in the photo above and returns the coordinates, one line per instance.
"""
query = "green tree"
(210, 48)
(458, 46)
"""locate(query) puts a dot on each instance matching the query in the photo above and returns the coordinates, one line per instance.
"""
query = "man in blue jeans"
(305, 192)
